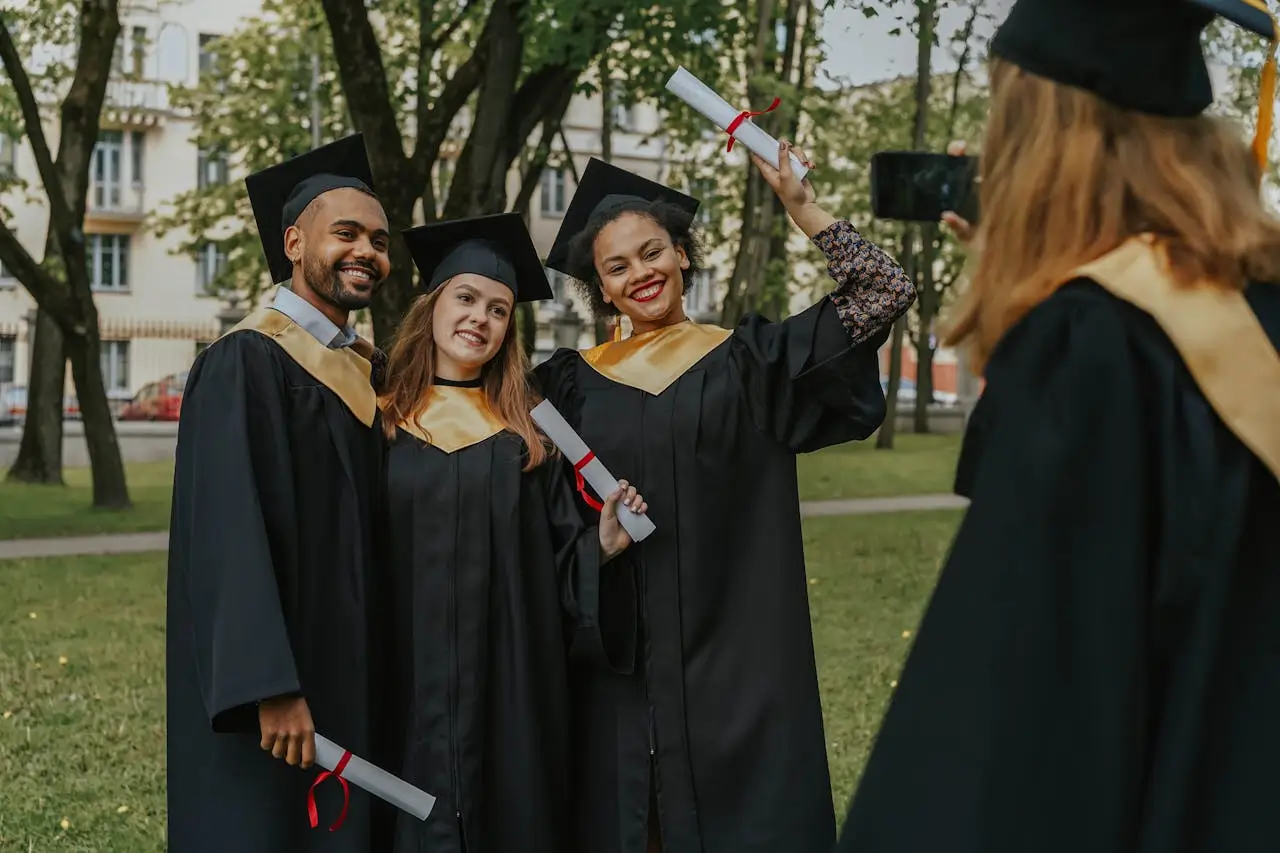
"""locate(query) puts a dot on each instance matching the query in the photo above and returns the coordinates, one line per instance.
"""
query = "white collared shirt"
(312, 319)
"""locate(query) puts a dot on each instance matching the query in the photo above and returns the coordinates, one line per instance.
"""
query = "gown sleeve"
(813, 380)
(233, 453)
(599, 600)
(1020, 718)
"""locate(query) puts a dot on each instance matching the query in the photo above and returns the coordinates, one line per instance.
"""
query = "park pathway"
(133, 543)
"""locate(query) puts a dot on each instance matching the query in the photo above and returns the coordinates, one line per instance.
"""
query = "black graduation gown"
(489, 565)
(1099, 666)
(723, 694)
(271, 585)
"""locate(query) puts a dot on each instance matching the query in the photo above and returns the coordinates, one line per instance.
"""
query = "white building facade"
(155, 313)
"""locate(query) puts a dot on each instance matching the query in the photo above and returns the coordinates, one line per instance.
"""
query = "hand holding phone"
(916, 186)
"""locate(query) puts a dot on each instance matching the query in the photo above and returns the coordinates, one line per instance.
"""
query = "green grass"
(83, 739)
(31, 511)
(918, 465)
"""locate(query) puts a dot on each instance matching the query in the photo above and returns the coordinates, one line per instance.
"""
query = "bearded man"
(273, 598)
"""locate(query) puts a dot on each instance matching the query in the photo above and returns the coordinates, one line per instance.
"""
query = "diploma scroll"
(703, 98)
(341, 764)
(587, 466)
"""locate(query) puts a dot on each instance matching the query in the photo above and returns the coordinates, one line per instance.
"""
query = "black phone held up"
(916, 186)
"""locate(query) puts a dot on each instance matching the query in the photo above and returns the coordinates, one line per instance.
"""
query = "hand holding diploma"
(342, 765)
(796, 195)
(737, 123)
(588, 469)
(614, 538)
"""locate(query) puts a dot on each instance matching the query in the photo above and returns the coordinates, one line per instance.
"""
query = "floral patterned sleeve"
(872, 290)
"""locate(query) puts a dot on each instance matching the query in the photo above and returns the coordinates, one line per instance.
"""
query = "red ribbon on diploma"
(346, 793)
(582, 484)
(743, 116)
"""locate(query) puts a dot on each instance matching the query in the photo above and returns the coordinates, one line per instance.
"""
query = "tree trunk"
(750, 264)
(889, 429)
(39, 457)
(927, 308)
(795, 70)
(110, 490)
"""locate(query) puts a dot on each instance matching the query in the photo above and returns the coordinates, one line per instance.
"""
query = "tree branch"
(435, 42)
(42, 286)
(435, 118)
(59, 211)
(364, 79)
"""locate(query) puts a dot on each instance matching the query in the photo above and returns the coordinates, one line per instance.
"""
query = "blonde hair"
(411, 371)
(1068, 177)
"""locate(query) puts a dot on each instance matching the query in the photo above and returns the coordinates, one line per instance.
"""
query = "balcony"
(115, 207)
(135, 103)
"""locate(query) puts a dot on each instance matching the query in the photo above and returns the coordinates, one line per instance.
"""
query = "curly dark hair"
(670, 218)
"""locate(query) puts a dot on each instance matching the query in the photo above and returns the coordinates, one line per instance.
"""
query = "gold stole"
(455, 418)
(651, 361)
(342, 371)
(1217, 334)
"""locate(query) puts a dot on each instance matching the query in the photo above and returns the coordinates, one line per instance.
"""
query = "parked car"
(157, 401)
(13, 406)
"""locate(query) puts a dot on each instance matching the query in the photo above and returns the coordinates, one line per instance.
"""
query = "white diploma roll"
(703, 98)
(549, 419)
(375, 780)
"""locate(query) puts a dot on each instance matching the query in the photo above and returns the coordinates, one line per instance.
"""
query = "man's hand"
(287, 730)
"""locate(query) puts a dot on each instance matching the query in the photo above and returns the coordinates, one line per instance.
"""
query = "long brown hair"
(1068, 177)
(411, 371)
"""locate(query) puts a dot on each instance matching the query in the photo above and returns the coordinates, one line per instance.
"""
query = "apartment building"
(155, 313)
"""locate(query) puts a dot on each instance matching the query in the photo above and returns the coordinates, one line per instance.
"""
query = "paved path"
(132, 543)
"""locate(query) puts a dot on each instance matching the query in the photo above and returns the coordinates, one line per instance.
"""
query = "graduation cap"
(1142, 55)
(604, 186)
(497, 247)
(280, 193)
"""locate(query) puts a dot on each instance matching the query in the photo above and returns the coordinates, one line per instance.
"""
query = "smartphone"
(916, 186)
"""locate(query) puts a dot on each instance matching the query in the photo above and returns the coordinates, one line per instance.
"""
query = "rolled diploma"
(549, 419)
(703, 98)
(375, 780)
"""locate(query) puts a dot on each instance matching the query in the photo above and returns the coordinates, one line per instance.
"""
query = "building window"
(138, 149)
(208, 59)
(107, 170)
(553, 200)
(210, 262)
(211, 168)
(559, 284)
(700, 296)
(621, 116)
(108, 257)
(8, 351)
(114, 356)
(8, 156)
(138, 51)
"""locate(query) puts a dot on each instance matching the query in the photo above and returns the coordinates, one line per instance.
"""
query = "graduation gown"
(271, 585)
(706, 680)
(1099, 666)
(490, 565)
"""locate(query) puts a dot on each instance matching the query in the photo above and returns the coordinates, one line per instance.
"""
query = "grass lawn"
(82, 683)
(917, 465)
(30, 512)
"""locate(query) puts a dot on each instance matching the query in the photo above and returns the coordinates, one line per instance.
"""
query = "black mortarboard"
(280, 193)
(603, 186)
(1143, 55)
(497, 247)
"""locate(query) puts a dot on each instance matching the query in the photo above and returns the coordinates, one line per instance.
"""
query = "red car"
(157, 401)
